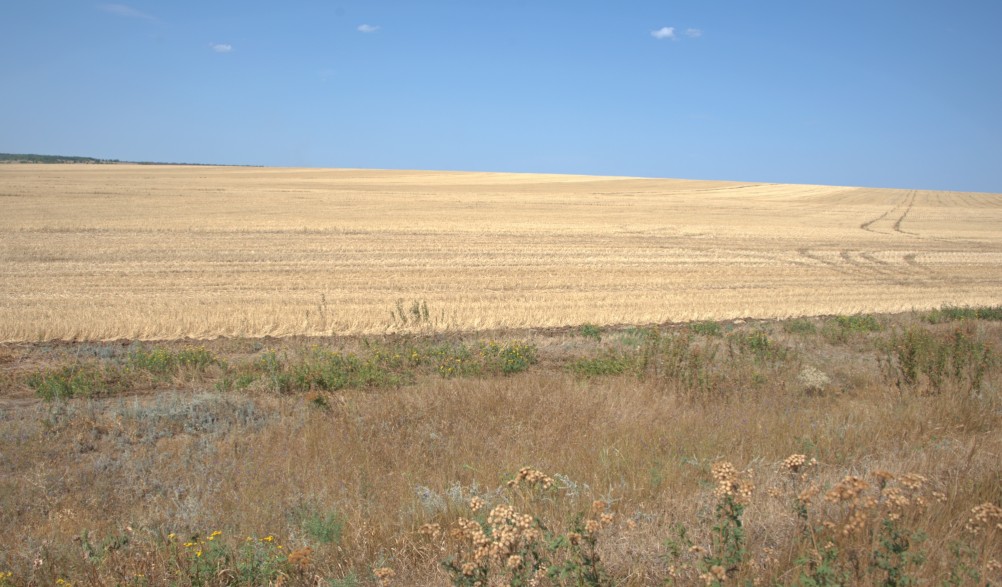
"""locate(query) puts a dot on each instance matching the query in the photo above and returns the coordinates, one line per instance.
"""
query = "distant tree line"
(28, 158)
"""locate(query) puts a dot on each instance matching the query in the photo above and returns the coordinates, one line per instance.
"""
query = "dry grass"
(348, 483)
(146, 252)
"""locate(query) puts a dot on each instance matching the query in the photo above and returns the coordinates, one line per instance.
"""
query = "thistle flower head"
(848, 489)
(732, 484)
(531, 477)
(986, 516)
(384, 575)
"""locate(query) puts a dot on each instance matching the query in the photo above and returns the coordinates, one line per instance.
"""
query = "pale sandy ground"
(129, 251)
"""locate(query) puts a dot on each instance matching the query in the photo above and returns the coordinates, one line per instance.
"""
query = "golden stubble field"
(164, 252)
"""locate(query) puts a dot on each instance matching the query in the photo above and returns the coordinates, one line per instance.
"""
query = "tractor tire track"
(868, 225)
(849, 268)
(908, 208)
(846, 256)
(879, 268)
(910, 260)
(908, 272)
(866, 266)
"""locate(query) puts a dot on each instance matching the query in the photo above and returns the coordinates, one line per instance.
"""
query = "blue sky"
(876, 93)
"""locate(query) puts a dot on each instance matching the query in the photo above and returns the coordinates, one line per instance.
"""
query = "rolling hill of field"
(158, 252)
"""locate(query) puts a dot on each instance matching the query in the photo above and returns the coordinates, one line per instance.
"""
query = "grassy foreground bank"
(819, 451)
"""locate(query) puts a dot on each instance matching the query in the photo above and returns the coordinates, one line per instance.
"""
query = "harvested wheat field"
(98, 252)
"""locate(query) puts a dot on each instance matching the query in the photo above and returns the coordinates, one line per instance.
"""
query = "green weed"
(800, 326)
(957, 358)
(323, 527)
(757, 344)
(161, 361)
(215, 561)
(610, 363)
(416, 314)
(706, 328)
(507, 358)
(842, 329)
(330, 371)
(956, 313)
(673, 357)
(78, 380)
(590, 331)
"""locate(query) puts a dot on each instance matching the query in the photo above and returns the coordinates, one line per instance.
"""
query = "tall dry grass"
(355, 477)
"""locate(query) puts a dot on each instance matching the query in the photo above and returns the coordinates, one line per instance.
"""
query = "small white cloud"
(693, 33)
(367, 28)
(665, 32)
(127, 11)
(221, 47)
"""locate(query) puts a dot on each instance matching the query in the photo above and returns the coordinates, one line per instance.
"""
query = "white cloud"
(367, 28)
(693, 33)
(221, 47)
(665, 32)
(123, 10)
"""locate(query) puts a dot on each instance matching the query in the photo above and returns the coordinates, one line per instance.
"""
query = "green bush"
(673, 357)
(956, 313)
(757, 344)
(79, 380)
(323, 527)
(800, 326)
(507, 357)
(957, 358)
(162, 361)
(611, 363)
(275, 372)
(329, 371)
(590, 331)
(454, 360)
(840, 329)
(213, 560)
(858, 323)
(706, 328)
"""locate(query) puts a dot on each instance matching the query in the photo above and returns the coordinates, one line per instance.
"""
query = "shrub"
(454, 360)
(858, 323)
(706, 328)
(213, 560)
(610, 363)
(590, 331)
(162, 362)
(955, 313)
(78, 380)
(757, 344)
(800, 326)
(840, 329)
(958, 358)
(323, 527)
(866, 532)
(673, 357)
(507, 357)
(330, 371)
(511, 545)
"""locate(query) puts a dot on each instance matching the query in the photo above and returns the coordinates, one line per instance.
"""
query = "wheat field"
(100, 252)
